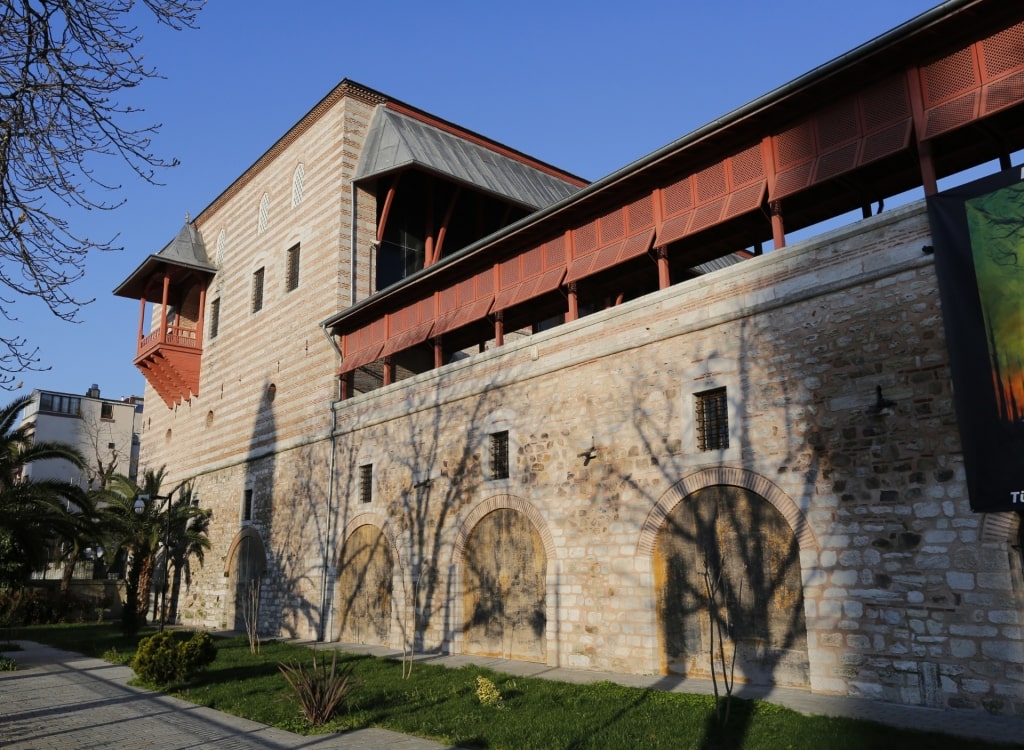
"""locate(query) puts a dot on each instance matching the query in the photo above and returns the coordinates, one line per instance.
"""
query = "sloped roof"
(186, 251)
(396, 141)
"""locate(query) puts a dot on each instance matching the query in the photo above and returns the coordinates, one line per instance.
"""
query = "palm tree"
(141, 533)
(35, 513)
(132, 533)
(188, 539)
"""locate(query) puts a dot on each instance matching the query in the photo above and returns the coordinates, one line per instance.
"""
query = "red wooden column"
(163, 307)
(929, 179)
(200, 324)
(778, 228)
(499, 328)
(438, 352)
(574, 303)
(142, 323)
(664, 277)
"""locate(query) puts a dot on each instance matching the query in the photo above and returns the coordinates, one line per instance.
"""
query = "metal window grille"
(297, 185)
(106, 411)
(712, 420)
(214, 318)
(366, 483)
(264, 214)
(499, 455)
(257, 290)
(292, 280)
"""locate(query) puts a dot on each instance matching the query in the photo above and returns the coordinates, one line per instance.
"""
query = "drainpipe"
(322, 634)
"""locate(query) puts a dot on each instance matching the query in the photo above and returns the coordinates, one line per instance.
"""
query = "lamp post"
(140, 506)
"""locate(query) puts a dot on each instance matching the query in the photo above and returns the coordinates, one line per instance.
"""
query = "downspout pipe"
(329, 526)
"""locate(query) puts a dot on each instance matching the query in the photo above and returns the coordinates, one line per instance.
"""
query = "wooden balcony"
(170, 359)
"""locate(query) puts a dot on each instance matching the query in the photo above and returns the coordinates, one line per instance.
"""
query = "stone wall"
(840, 417)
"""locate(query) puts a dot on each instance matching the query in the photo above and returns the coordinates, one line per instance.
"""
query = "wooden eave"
(910, 47)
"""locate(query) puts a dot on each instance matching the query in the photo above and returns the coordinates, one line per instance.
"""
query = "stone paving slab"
(59, 700)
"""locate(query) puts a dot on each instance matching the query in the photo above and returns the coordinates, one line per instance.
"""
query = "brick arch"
(724, 475)
(1000, 527)
(232, 559)
(370, 519)
(398, 593)
(496, 502)
(453, 630)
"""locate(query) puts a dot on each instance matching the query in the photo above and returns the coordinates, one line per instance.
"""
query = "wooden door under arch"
(364, 590)
(504, 574)
(733, 542)
(247, 582)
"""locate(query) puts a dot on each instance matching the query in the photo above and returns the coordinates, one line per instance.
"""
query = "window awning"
(464, 315)
(360, 358)
(529, 289)
(407, 339)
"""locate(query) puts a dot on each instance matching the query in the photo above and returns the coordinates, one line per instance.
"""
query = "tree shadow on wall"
(726, 563)
(290, 512)
(428, 468)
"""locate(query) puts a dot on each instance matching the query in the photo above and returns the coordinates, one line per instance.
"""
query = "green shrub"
(320, 691)
(198, 652)
(8, 665)
(161, 659)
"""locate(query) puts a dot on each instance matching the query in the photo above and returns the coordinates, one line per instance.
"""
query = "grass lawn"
(442, 704)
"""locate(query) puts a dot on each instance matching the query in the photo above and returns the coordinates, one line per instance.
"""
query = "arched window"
(221, 242)
(297, 184)
(264, 210)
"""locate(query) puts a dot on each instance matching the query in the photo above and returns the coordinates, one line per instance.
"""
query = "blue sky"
(588, 87)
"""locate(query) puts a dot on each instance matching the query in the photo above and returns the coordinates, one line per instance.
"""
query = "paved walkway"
(64, 701)
(58, 700)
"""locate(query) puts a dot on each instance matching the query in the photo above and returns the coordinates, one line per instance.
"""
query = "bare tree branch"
(63, 65)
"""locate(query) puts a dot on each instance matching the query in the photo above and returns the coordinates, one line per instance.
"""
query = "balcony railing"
(174, 335)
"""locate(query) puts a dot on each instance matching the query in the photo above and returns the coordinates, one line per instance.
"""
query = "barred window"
(214, 318)
(499, 455)
(292, 277)
(712, 420)
(247, 506)
(257, 290)
(366, 483)
(106, 410)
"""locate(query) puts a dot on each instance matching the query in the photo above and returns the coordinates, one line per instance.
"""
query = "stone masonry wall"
(909, 597)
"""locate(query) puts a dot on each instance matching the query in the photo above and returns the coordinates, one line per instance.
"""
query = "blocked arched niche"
(725, 549)
(364, 597)
(245, 565)
(501, 561)
(724, 475)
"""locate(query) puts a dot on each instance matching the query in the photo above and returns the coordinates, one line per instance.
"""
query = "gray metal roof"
(397, 141)
(186, 250)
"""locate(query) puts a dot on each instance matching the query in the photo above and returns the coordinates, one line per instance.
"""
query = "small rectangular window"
(106, 411)
(292, 278)
(214, 318)
(712, 420)
(257, 290)
(499, 455)
(366, 483)
(247, 506)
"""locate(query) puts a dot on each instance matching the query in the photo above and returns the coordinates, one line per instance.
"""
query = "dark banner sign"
(978, 233)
